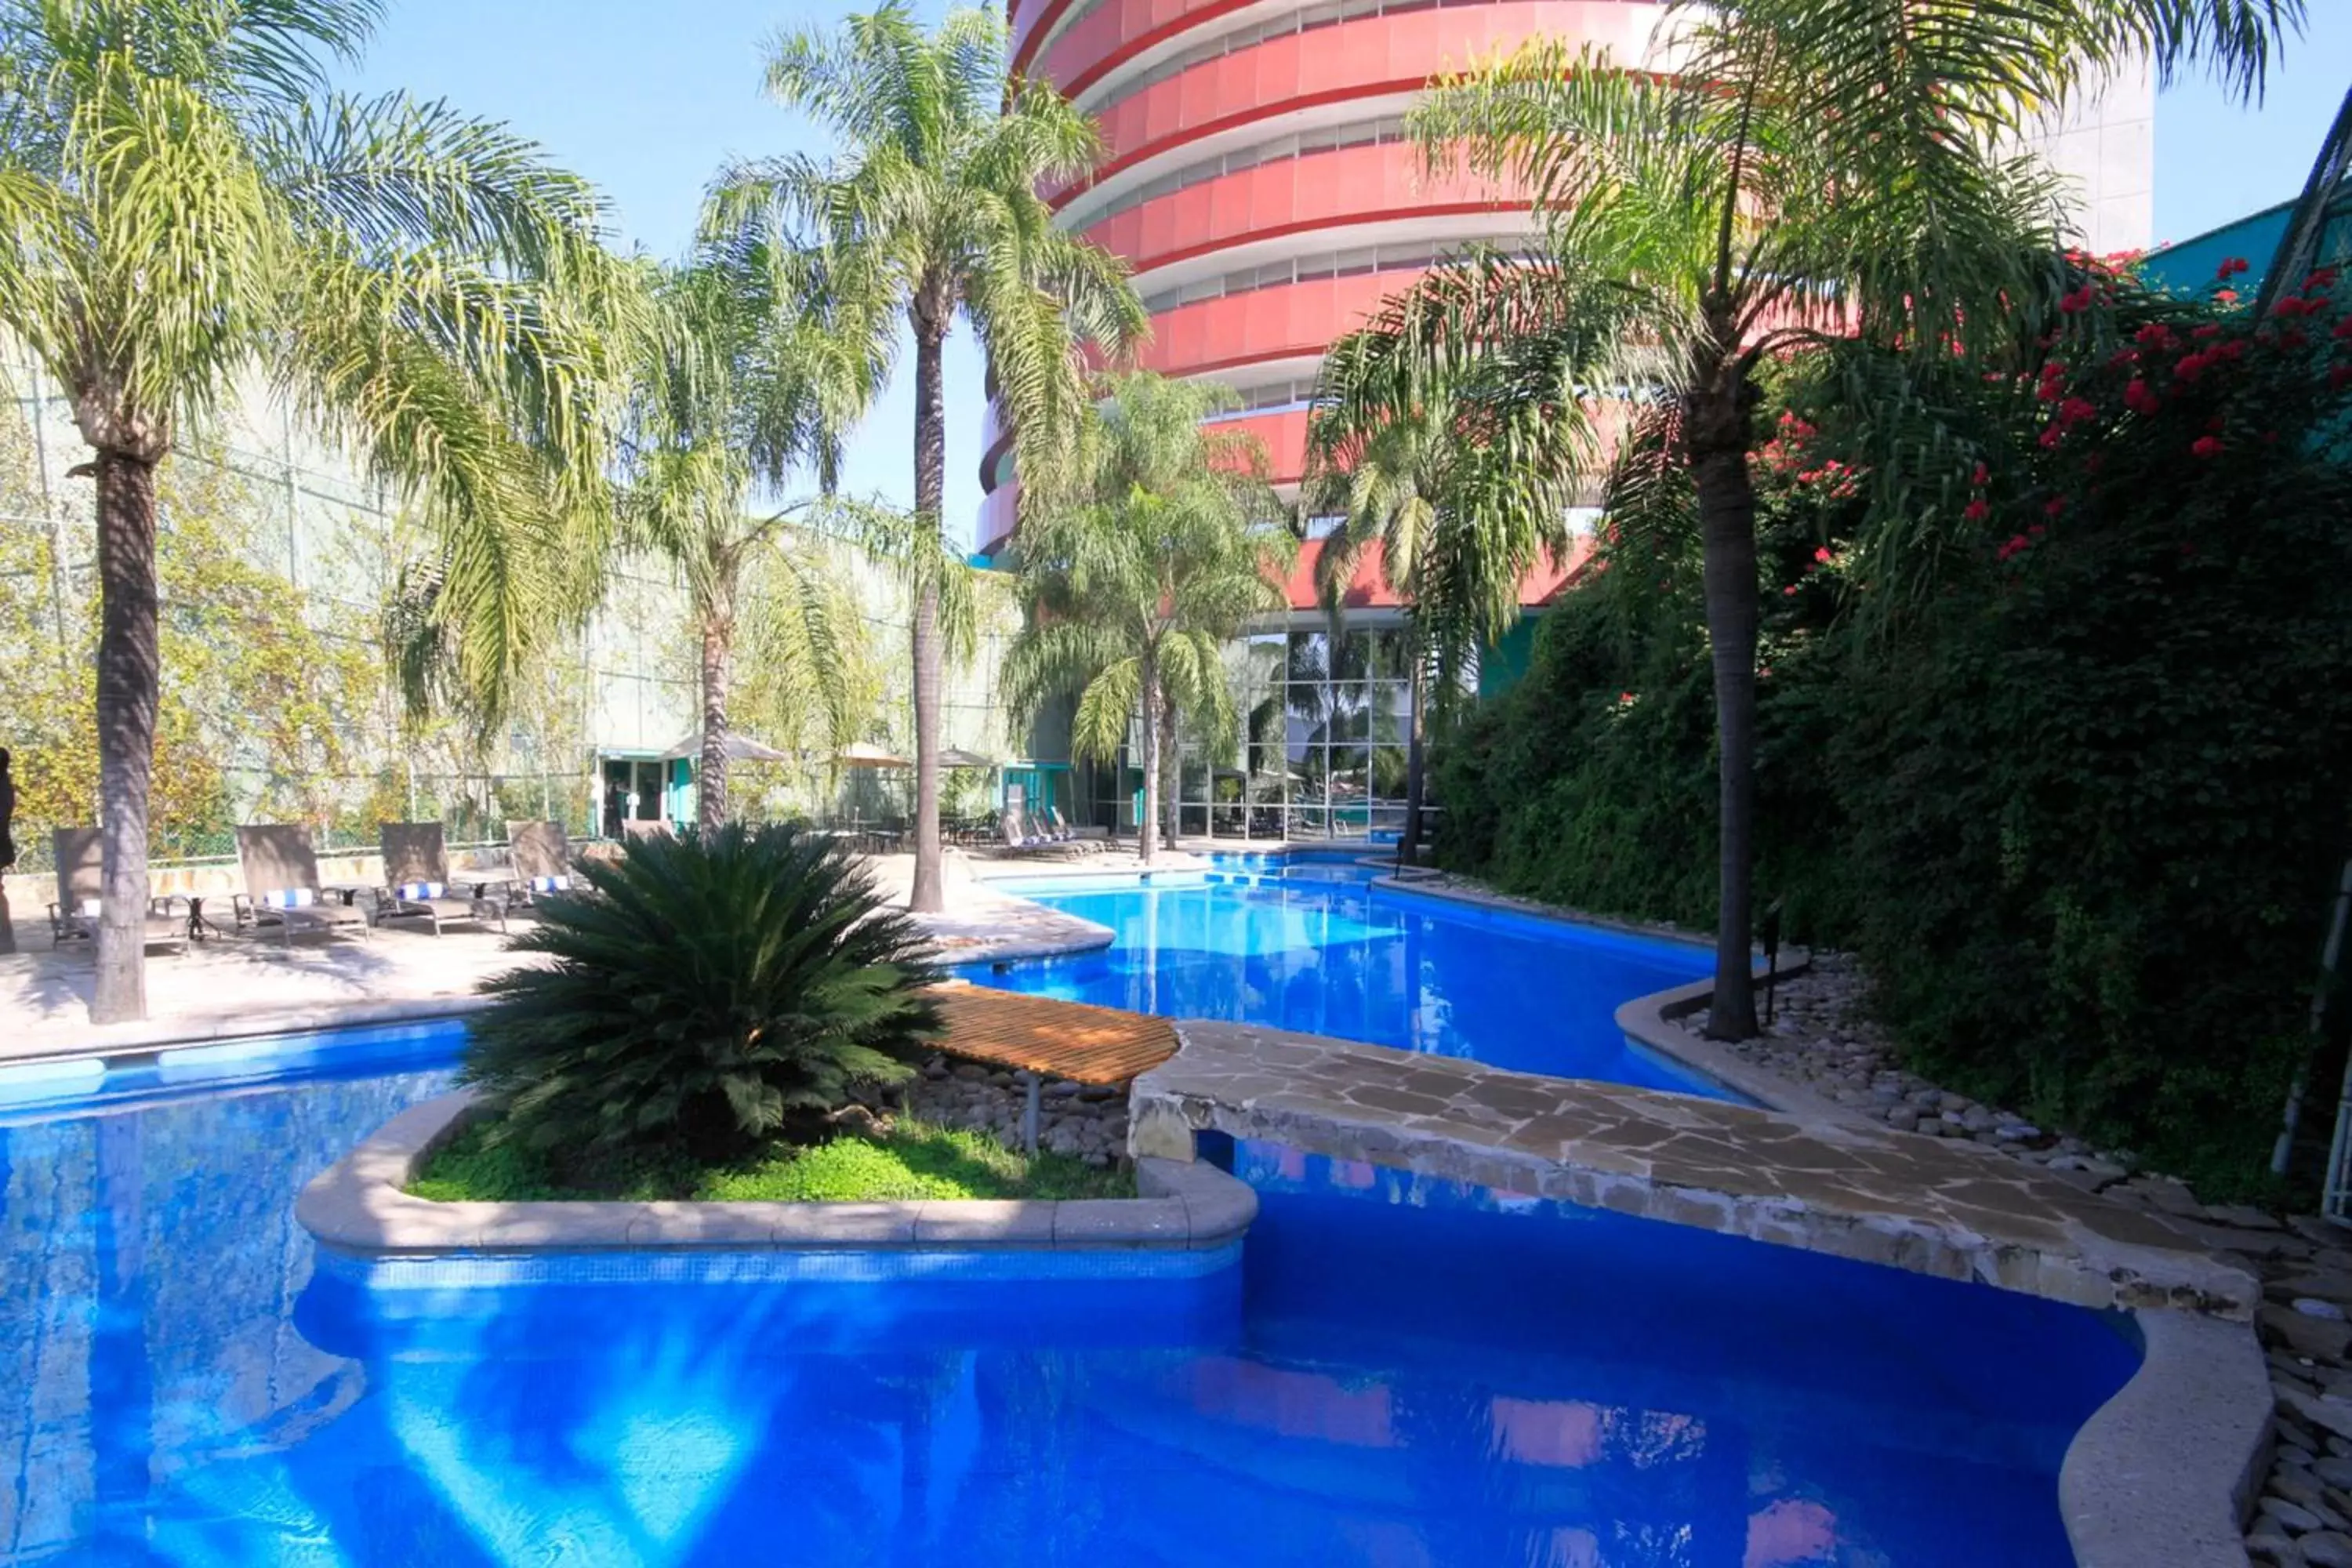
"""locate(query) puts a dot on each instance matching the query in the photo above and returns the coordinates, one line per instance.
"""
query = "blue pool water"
(1398, 1375)
(1316, 948)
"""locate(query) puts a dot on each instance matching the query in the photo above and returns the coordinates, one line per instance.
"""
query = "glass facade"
(1323, 721)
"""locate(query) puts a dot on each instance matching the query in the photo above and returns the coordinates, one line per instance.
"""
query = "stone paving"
(1954, 1210)
(1824, 1042)
(244, 984)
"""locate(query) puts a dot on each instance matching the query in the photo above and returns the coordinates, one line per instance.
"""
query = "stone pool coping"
(357, 1208)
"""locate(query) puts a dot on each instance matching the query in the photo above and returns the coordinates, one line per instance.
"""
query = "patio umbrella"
(866, 755)
(956, 757)
(739, 749)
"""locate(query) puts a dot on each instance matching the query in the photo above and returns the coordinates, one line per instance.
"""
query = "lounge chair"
(281, 884)
(1022, 839)
(1069, 834)
(650, 827)
(81, 882)
(417, 882)
(540, 857)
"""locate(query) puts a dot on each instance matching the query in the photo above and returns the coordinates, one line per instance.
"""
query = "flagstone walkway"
(1958, 1211)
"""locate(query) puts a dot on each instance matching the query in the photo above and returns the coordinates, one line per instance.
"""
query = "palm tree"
(1456, 531)
(1807, 172)
(931, 202)
(1138, 574)
(187, 211)
(754, 374)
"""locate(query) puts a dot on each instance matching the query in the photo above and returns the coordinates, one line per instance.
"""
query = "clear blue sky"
(648, 99)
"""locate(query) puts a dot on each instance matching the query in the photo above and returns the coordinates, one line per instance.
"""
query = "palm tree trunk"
(710, 805)
(1148, 825)
(930, 485)
(1170, 776)
(1727, 510)
(1409, 842)
(129, 688)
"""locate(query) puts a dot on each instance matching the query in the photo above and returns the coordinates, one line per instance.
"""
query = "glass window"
(1350, 654)
(1389, 773)
(1310, 656)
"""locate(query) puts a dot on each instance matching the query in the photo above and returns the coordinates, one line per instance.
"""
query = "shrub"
(705, 997)
(2056, 744)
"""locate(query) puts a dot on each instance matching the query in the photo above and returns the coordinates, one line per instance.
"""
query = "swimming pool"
(1403, 1372)
(1315, 947)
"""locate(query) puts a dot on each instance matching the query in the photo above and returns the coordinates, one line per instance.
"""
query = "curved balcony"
(1351, 187)
(1371, 56)
(1289, 322)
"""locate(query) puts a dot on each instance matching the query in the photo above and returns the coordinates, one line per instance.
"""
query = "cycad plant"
(701, 996)
(1138, 575)
(1787, 175)
(189, 215)
(931, 202)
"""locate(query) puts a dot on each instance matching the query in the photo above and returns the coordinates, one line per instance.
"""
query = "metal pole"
(2329, 956)
(1029, 1113)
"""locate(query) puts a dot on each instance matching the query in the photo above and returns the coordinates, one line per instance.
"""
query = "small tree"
(1138, 575)
(754, 374)
(931, 204)
(188, 212)
(1803, 172)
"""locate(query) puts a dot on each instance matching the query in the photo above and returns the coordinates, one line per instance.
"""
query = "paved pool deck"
(238, 986)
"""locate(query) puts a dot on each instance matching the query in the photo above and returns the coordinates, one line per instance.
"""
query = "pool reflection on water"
(1400, 1373)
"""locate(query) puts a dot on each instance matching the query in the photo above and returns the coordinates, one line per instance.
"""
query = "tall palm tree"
(187, 213)
(1454, 530)
(932, 201)
(753, 376)
(1800, 171)
(1139, 573)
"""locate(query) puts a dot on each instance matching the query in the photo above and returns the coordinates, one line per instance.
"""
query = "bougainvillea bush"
(2057, 719)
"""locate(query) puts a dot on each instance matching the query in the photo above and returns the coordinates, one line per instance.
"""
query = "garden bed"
(898, 1161)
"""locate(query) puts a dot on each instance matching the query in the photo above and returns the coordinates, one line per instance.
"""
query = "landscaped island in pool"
(1313, 946)
(1399, 1372)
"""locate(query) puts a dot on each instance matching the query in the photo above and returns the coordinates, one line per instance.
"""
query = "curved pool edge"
(357, 1210)
(2163, 1471)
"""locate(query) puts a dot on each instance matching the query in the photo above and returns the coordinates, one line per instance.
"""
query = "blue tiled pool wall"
(1405, 1371)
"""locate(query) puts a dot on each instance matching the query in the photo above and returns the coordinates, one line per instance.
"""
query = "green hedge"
(2079, 799)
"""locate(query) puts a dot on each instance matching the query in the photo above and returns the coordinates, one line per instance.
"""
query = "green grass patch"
(912, 1160)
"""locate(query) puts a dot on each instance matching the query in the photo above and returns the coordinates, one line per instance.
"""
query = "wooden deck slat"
(1053, 1038)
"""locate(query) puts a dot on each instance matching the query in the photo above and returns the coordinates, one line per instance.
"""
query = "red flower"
(2191, 367)
(2051, 437)
(2074, 410)
(2231, 267)
(2322, 277)
(2139, 399)
(2037, 531)
(2289, 307)
(2206, 332)
(2205, 447)
(1790, 592)
(2055, 506)
(2155, 335)
(1822, 554)
(1980, 474)
(2344, 329)
(2225, 296)
(1976, 512)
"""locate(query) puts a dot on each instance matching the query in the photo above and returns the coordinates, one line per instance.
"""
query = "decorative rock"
(2311, 1307)
(2269, 1546)
(2295, 1521)
(2298, 1489)
(2333, 1470)
(2327, 1548)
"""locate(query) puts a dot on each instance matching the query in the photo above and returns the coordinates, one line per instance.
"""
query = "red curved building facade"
(1257, 179)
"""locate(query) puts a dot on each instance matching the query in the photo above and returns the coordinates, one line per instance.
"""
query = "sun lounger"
(1022, 839)
(1069, 834)
(73, 917)
(282, 888)
(541, 857)
(417, 884)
